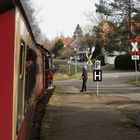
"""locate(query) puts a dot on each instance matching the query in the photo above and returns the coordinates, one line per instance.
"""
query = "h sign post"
(97, 74)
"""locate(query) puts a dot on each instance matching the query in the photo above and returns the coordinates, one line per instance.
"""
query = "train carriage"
(22, 73)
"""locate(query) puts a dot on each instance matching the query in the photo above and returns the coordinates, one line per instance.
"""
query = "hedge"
(124, 62)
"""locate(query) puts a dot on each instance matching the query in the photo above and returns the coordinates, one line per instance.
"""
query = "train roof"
(6, 5)
(47, 52)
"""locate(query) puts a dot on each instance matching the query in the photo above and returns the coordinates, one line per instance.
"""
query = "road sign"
(135, 57)
(135, 51)
(134, 47)
(97, 65)
(69, 62)
(89, 62)
(97, 75)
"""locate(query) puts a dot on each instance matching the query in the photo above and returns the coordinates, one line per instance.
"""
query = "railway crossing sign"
(134, 50)
(134, 47)
(69, 62)
(89, 62)
(89, 55)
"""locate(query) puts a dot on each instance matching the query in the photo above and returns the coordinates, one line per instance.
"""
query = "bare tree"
(31, 12)
(49, 44)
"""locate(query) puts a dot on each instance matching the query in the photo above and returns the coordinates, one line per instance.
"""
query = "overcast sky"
(62, 16)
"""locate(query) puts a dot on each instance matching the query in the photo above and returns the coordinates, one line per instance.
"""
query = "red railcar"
(22, 74)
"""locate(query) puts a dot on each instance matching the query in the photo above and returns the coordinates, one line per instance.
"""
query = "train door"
(21, 78)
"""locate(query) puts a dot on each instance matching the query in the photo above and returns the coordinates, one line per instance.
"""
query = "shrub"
(124, 62)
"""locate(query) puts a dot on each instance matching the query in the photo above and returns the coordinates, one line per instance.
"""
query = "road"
(112, 81)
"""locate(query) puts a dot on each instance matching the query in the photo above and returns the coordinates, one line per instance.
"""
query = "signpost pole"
(97, 74)
(90, 69)
(97, 88)
(136, 70)
(75, 67)
(69, 69)
(69, 63)
(135, 50)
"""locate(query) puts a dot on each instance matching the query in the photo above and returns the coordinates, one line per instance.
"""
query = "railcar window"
(22, 55)
(20, 105)
(50, 63)
(30, 73)
(46, 62)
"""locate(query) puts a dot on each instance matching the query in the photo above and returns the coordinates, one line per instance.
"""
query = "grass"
(136, 83)
(62, 76)
(66, 72)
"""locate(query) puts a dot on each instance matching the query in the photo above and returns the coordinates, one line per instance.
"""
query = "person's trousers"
(84, 87)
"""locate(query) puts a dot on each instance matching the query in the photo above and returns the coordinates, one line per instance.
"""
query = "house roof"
(67, 41)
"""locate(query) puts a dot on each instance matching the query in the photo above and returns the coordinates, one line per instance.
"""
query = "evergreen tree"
(57, 47)
(89, 40)
(119, 11)
(122, 13)
(97, 50)
(78, 31)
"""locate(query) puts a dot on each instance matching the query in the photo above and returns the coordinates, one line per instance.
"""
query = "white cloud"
(62, 16)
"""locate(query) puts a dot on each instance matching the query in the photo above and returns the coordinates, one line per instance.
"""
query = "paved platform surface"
(82, 116)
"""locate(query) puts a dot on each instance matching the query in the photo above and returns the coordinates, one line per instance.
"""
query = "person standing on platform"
(84, 78)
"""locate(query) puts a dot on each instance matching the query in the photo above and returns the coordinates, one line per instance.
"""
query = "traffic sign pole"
(97, 74)
(76, 67)
(135, 57)
(69, 70)
(90, 69)
(69, 63)
(97, 88)
(136, 69)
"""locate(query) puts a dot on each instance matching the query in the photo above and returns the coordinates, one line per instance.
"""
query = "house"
(77, 44)
(67, 41)
(110, 57)
(74, 43)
